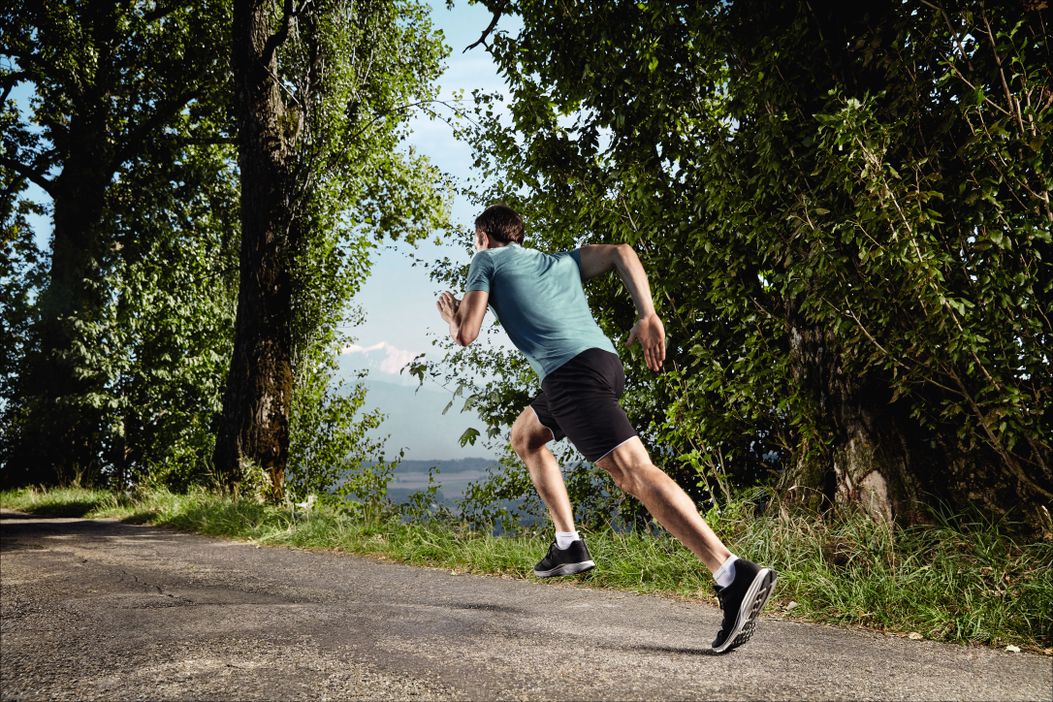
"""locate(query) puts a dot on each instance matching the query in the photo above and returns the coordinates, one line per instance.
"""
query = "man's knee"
(525, 436)
(627, 478)
(520, 440)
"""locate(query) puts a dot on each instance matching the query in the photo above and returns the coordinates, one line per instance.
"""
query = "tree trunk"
(862, 453)
(58, 438)
(866, 452)
(255, 422)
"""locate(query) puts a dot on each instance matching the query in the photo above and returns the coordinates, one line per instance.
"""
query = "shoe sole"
(565, 569)
(756, 597)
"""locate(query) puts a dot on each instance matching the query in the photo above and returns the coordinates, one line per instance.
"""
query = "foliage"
(957, 579)
(129, 70)
(164, 343)
(122, 129)
(344, 80)
(331, 452)
(846, 220)
(21, 275)
(504, 501)
(356, 74)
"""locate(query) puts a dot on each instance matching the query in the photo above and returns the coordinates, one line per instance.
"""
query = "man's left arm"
(596, 260)
(465, 317)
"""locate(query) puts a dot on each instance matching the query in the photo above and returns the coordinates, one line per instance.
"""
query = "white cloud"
(395, 359)
(355, 348)
(391, 362)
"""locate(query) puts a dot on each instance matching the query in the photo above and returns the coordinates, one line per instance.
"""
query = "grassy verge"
(967, 583)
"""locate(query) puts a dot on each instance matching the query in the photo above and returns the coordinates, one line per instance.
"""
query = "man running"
(540, 302)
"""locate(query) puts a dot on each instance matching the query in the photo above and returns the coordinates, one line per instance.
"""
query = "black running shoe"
(559, 561)
(742, 601)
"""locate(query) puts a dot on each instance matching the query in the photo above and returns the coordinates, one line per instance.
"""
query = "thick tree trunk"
(863, 454)
(59, 436)
(255, 423)
(867, 452)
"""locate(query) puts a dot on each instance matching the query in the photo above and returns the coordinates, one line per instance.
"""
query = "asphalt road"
(97, 609)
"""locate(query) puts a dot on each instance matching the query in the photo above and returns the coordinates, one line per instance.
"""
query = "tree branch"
(405, 108)
(205, 141)
(30, 174)
(9, 82)
(278, 38)
(136, 135)
(29, 64)
(486, 32)
(160, 12)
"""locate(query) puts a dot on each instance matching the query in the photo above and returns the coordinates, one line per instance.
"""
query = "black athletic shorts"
(579, 400)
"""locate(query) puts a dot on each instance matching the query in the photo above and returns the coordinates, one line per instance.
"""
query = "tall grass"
(957, 580)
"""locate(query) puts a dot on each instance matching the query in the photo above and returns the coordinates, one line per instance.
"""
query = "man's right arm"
(597, 259)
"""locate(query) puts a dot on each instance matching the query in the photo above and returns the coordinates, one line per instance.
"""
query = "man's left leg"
(529, 439)
(742, 586)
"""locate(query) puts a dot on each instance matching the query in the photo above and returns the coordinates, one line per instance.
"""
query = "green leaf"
(469, 436)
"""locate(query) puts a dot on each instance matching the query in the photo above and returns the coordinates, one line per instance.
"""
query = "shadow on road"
(485, 607)
(72, 508)
(680, 650)
(18, 515)
(20, 531)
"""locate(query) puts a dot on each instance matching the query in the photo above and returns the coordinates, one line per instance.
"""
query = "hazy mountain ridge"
(458, 465)
(453, 477)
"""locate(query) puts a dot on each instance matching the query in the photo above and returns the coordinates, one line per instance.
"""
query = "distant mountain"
(459, 465)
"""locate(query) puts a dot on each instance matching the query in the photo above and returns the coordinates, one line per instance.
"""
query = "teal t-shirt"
(540, 302)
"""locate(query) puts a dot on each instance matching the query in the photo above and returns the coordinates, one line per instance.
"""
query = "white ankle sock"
(725, 575)
(565, 538)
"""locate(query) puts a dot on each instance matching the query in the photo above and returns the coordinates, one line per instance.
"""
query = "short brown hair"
(501, 222)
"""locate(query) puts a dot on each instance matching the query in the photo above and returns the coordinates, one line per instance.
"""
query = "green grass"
(967, 583)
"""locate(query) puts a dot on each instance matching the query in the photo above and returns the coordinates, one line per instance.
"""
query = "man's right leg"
(529, 439)
(750, 585)
(633, 472)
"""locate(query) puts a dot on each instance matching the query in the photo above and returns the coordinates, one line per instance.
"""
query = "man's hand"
(447, 305)
(465, 317)
(651, 333)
